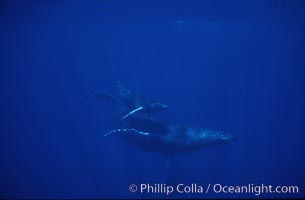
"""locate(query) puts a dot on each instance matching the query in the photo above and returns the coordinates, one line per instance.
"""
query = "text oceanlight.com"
(194, 188)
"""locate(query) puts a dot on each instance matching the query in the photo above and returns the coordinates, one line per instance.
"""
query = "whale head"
(205, 136)
(156, 106)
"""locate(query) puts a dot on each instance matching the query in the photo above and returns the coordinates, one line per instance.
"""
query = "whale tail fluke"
(107, 97)
(124, 92)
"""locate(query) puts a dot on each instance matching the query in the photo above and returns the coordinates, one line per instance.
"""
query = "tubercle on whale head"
(215, 136)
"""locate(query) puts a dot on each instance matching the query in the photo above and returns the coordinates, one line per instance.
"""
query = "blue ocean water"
(236, 66)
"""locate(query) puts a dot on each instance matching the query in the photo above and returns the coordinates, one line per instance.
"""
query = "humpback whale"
(161, 136)
(141, 129)
(130, 103)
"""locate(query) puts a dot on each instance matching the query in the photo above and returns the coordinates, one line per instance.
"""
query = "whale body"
(138, 126)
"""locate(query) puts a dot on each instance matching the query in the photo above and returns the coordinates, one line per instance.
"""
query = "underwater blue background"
(235, 66)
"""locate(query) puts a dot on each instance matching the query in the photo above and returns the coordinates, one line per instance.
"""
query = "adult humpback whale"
(160, 136)
(139, 128)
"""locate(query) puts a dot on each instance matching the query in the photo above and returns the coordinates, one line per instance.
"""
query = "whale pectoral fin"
(132, 130)
(132, 112)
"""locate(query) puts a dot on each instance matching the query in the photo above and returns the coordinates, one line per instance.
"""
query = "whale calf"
(129, 103)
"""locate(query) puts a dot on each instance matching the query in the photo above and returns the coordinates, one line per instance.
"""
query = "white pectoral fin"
(132, 130)
(132, 112)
